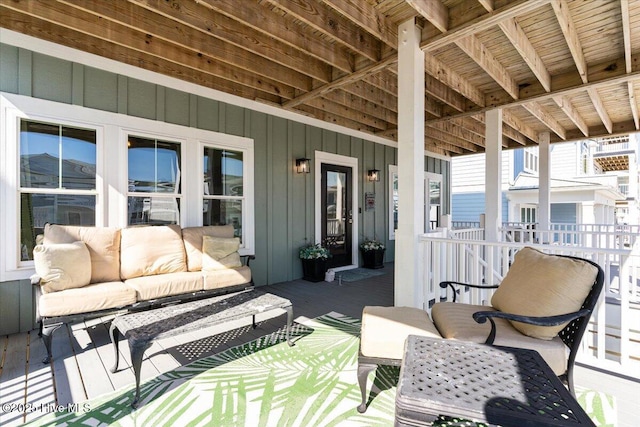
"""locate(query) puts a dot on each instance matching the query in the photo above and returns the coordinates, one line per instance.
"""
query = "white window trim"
(111, 176)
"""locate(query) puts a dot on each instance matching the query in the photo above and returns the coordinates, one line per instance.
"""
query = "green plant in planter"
(314, 251)
(372, 253)
(314, 262)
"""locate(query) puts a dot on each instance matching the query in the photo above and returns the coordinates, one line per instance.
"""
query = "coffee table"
(491, 384)
(142, 328)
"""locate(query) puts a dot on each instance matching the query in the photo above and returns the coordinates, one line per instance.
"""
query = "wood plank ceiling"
(568, 67)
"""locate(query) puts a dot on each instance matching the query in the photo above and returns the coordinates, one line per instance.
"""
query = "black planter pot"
(313, 270)
(373, 259)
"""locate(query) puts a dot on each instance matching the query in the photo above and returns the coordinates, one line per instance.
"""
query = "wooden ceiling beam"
(333, 24)
(362, 106)
(567, 107)
(511, 10)
(561, 10)
(442, 130)
(626, 35)
(353, 115)
(600, 108)
(93, 25)
(42, 29)
(444, 145)
(547, 119)
(482, 56)
(452, 79)
(434, 11)
(326, 116)
(373, 94)
(367, 18)
(521, 42)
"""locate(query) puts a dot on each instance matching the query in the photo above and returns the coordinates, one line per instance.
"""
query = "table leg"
(288, 326)
(253, 321)
(113, 333)
(137, 351)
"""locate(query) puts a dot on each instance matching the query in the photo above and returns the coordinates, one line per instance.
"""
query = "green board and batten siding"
(284, 200)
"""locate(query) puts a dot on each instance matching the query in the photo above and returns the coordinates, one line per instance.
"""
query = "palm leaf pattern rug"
(261, 383)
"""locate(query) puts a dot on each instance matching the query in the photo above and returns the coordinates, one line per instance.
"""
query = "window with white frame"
(57, 178)
(531, 159)
(223, 188)
(154, 171)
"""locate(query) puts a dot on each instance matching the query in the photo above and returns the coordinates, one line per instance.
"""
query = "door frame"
(340, 160)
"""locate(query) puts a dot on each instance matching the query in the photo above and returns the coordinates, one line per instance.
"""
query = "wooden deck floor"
(83, 352)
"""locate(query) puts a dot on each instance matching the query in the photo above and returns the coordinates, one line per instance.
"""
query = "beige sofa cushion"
(223, 278)
(151, 250)
(455, 321)
(192, 237)
(93, 297)
(103, 244)
(164, 285)
(385, 329)
(538, 284)
(220, 253)
(62, 266)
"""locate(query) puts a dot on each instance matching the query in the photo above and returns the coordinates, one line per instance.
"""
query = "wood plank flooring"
(83, 354)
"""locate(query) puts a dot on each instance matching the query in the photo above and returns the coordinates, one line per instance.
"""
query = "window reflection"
(61, 160)
(223, 188)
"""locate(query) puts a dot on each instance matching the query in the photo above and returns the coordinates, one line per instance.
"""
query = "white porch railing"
(603, 236)
(612, 341)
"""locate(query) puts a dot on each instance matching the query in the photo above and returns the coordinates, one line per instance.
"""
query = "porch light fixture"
(373, 175)
(303, 166)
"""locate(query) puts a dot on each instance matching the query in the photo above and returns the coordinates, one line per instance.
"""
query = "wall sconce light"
(373, 175)
(303, 166)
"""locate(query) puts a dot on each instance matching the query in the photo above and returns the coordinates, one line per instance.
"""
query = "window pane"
(223, 172)
(154, 166)
(434, 192)
(223, 212)
(38, 209)
(53, 156)
(153, 210)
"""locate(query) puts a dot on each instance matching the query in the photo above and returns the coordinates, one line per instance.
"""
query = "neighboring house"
(592, 182)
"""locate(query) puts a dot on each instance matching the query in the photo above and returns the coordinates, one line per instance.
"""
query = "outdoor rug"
(357, 274)
(262, 383)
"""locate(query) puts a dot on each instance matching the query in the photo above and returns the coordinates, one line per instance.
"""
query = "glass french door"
(337, 213)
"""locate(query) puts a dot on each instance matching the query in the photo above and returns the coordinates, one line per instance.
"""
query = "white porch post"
(493, 175)
(544, 181)
(407, 283)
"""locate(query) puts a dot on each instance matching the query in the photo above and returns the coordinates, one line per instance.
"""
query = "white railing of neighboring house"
(610, 148)
(467, 234)
(612, 341)
(603, 236)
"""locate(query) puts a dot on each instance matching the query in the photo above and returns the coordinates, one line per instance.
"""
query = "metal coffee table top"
(499, 385)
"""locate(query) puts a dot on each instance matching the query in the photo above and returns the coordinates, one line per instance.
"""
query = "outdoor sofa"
(85, 272)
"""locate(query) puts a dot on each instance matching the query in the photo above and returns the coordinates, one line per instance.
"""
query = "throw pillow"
(538, 284)
(62, 266)
(219, 253)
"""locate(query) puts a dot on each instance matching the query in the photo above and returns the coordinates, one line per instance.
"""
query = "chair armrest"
(482, 316)
(35, 280)
(451, 283)
(247, 259)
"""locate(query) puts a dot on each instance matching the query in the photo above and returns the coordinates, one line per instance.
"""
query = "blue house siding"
(518, 162)
(469, 206)
(284, 201)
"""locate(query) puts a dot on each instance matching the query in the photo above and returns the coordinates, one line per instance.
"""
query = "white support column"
(493, 175)
(544, 181)
(408, 265)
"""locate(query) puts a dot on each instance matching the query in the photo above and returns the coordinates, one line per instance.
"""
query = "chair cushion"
(164, 285)
(223, 278)
(93, 297)
(151, 250)
(192, 237)
(103, 244)
(455, 321)
(220, 253)
(62, 266)
(538, 284)
(385, 329)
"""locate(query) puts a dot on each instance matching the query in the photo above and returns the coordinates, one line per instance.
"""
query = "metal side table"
(491, 384)
(142, 328)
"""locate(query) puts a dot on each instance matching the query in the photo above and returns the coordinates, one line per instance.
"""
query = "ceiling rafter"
(545, 117)
(626, 36)
(565, 105)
